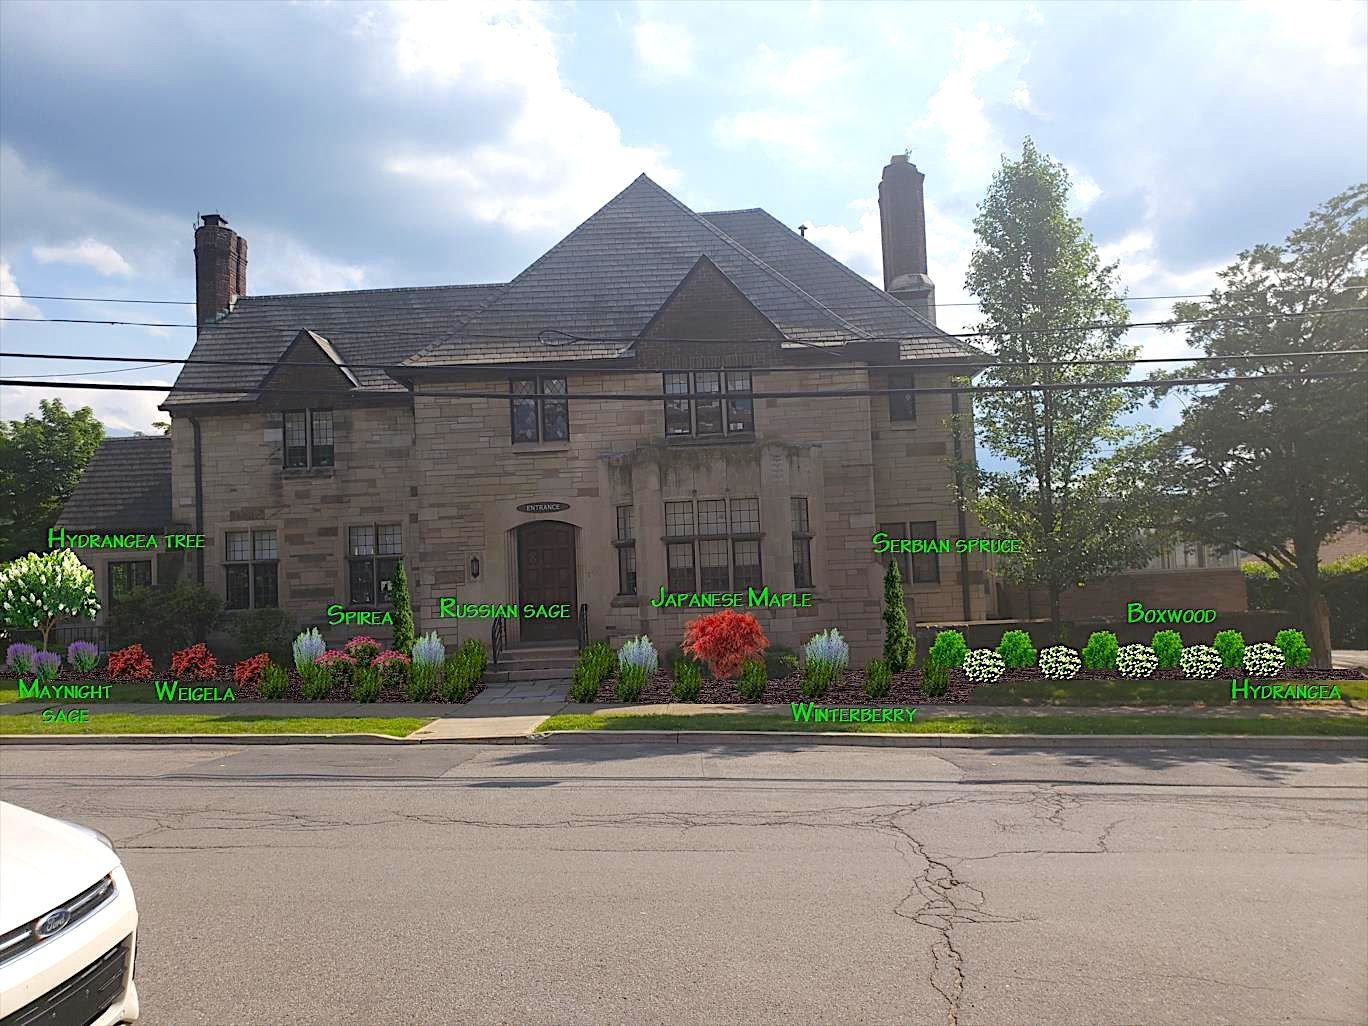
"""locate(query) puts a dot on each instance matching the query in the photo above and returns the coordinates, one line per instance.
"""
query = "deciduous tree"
(41, 460)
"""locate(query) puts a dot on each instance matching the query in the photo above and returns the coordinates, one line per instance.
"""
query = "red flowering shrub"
(194, 663)
(249, 671)
(725, 640)
(130, 663)
(338, 665)
(393, 667)
(362, 649)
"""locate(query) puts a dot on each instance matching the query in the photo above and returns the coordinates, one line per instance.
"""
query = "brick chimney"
(902, 217)
(220, 267)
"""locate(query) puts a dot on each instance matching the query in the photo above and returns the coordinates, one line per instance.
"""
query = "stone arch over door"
(547, 574)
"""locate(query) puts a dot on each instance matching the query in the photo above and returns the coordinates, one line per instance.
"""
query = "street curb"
(7, 740)
(1355, 745)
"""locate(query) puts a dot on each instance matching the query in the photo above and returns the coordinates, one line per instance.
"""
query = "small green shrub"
(472, 653)
(365, 684)
(1168, 648)
(817, 677)
(1294, 648)
(935, 680)
(780, 662)
(423, 680)
(1100, 651)
(1016, 650)
(752, 682)
(1232, 648)
(630, 681)
(688, 679)
(584, 686)
(458, 677)
(275, 682)
(878, 679)
(316, 681)
(948, 650)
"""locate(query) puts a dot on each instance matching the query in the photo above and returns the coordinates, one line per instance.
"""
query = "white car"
(68, 925)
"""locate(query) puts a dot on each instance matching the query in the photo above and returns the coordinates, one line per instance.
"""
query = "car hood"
(44, 863)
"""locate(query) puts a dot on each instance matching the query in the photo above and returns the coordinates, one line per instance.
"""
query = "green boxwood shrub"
(275, 682)
(1016, 650)
(1100, 651)
(948, 650)
(1294, 648)
(1232, 648)
(1168, 648)
(365, 684)
(878, 679)
(816, 679)
(688, 679)
(751, 683)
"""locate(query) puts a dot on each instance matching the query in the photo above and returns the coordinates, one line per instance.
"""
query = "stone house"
(317, 439)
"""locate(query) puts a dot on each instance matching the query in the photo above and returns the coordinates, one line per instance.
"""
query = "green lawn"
(1136, 692)
(992, 723)
(209, 723)
(130, 692)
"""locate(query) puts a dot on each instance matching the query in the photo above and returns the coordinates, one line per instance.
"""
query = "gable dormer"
(705, 310)
(309, 364)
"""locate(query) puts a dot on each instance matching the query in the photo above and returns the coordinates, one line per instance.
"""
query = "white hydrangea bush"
(1264, 660)
(1200, 662)
(1136, 661)
(1060, 663)
(983, 666)
(37, 591)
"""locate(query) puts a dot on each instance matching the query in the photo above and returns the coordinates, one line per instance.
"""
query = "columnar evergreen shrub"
(194, 663)
(1059, 663)
(948, 650)
(130, 663)
(1231, 646)
(19, 658)
(307, 648)
(1168, 648)
(275, 682)
(1100, 651)
(899, 646)
(1263, 660)
(402, 614)
(753, 680)
(83, 656)
(1294, 648)
(249, 671)
(365, 684)
(984, 666)
(362, 649)
(1016, 650)
(1200, 662)
(688, 680)
(725, 640)
(878, 679)
(1136, 661)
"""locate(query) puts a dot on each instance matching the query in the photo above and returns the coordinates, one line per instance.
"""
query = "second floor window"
(902, 405)
(537, 415)
(922, 567)
(712, 545)
(732, 412)
(373, 552)
(802, 543)
(625, 543)
(308, 438)
(250, 569)
(126, 575)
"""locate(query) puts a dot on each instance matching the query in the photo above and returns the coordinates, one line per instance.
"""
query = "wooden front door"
(546, 577)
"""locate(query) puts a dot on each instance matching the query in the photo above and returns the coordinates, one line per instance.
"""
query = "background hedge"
(1346, 589)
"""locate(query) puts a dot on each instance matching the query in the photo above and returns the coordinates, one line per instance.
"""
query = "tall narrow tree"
(1068, 488)
(1275, 468)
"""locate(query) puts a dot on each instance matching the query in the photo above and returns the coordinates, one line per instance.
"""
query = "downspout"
(199, 497)
(959, 497)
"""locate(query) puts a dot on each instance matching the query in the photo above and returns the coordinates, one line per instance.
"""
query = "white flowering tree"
(37, 591)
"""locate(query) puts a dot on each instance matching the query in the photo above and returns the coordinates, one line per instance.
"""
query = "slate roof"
(602, 283)
(126, 488)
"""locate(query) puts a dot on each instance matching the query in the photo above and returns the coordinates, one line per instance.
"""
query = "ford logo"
(53, 922)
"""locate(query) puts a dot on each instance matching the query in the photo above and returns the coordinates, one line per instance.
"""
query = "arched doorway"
(546, 577)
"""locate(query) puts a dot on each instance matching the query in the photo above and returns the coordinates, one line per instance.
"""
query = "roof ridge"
(137, 438)
(362, 292)
(738, 210)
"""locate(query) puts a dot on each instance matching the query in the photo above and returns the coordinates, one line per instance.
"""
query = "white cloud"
(559, 156)
(10, 307)
(1085, 190)
(664, 50)
(98, 256)
(282, 264)
(792, 132)
(122, 413)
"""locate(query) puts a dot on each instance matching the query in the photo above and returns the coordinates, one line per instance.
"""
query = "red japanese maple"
(725, 640)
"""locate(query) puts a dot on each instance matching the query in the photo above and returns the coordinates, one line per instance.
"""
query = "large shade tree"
(1278, 466)
(41, 460)
(1069, 490)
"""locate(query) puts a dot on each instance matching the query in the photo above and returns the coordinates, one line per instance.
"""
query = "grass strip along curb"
(31, 724)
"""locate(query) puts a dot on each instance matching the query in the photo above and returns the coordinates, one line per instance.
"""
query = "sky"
(375, 145)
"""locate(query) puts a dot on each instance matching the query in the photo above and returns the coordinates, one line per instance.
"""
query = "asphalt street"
(444, 884)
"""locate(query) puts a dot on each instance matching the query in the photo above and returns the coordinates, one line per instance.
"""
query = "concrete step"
(568, 648)
(531, 662)
(502, 676)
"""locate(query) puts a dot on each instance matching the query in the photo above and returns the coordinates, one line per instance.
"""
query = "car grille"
(26, 937)
(83, 998)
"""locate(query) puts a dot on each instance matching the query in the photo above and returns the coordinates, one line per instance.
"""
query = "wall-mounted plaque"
(543, 507)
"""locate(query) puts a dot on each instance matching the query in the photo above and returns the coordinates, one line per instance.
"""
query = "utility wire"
(716, 396)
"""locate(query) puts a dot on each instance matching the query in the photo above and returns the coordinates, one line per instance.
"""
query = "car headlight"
(90, 832)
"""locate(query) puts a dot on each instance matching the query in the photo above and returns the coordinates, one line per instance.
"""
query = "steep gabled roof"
(608, 277)
(126, 487)
(379, 326)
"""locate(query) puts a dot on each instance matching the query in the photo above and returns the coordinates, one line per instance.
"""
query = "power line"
(815, 342)
(906, 365)
(714, 396)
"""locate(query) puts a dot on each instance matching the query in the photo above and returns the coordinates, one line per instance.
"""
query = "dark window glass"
(899, 531)
(925, 565)
(708, 412)
(679, 561)
(127, 575)
(361, 581)
(625, 530)
(679, 519)
(740, 411)
(264, 585)
(627, 573)
(384, 577)
(802, 562)
(800, 515)
(391, 540)
(263, 545)
(712, 516)
(746, 557)
(369, 574)
(902, 405)
(555, 412)
(321, 438)
(707, 415)
(361, 541)
(745, 516)
(524, 410)
(677, 419)
(239, 591)
(539, 416)
(296, 438)
(237, 546)
(712, 565)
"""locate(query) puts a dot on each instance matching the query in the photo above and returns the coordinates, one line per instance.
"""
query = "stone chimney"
(902, 217)
(220, 267)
